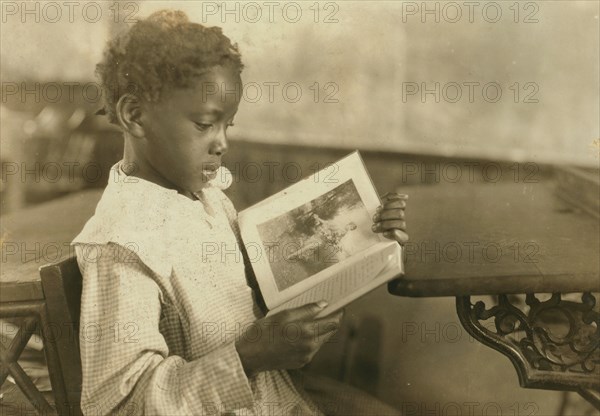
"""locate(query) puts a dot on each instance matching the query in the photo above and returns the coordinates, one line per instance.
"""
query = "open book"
(313, 240)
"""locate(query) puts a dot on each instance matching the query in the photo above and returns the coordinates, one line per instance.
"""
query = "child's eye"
(230, 124)
(203, 126)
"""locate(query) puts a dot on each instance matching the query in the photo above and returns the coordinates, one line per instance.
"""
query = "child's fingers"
(399, 236)
(330, 322)
(389, 225)
(391, 196)
(397, 203)
(389, 217)
(389, 214)
(394, 195)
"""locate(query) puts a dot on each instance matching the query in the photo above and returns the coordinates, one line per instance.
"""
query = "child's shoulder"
(130, 214)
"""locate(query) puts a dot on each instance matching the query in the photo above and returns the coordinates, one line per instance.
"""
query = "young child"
(164, 328)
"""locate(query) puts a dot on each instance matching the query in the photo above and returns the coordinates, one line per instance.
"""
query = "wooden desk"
(512, 238)
(483, 239)
(38, 236)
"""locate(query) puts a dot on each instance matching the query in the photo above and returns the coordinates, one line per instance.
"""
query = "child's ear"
(129, 113)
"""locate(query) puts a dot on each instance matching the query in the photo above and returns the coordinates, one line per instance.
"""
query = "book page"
(351, 279)
(312, 230)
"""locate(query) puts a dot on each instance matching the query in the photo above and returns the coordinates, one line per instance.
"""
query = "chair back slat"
(62, 284)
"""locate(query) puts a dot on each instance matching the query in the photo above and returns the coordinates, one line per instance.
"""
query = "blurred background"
(513, 83)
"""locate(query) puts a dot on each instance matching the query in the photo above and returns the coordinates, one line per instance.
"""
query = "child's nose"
(219, 146)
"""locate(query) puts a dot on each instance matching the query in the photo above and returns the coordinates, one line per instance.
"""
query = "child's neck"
(140, 168)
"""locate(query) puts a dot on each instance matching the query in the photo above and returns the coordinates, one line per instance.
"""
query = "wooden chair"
(62, 284)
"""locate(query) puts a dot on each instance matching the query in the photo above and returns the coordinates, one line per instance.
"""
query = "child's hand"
(389, 218)
(286, 340)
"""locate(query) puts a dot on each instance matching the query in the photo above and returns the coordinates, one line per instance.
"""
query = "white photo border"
(350, 167)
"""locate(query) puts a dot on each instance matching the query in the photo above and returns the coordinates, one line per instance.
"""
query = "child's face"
(185, 132)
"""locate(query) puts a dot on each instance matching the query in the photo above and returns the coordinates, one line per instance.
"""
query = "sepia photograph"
(140, 140)
(317, 234)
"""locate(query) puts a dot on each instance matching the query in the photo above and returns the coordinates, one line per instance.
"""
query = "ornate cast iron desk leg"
(553, 344)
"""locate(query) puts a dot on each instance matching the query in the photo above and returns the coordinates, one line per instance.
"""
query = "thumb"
(306, 311)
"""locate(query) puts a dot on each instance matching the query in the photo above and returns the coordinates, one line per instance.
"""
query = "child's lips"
(210, 171)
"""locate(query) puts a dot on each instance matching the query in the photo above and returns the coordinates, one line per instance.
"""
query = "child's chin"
(221, 179)
(209, 175)
(200, 183)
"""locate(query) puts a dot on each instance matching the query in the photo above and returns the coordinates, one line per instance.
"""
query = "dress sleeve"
(125, 359)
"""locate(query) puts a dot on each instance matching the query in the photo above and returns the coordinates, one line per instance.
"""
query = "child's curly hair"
(164, 50)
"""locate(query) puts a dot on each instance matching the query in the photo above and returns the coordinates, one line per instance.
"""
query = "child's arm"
(125, 359)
